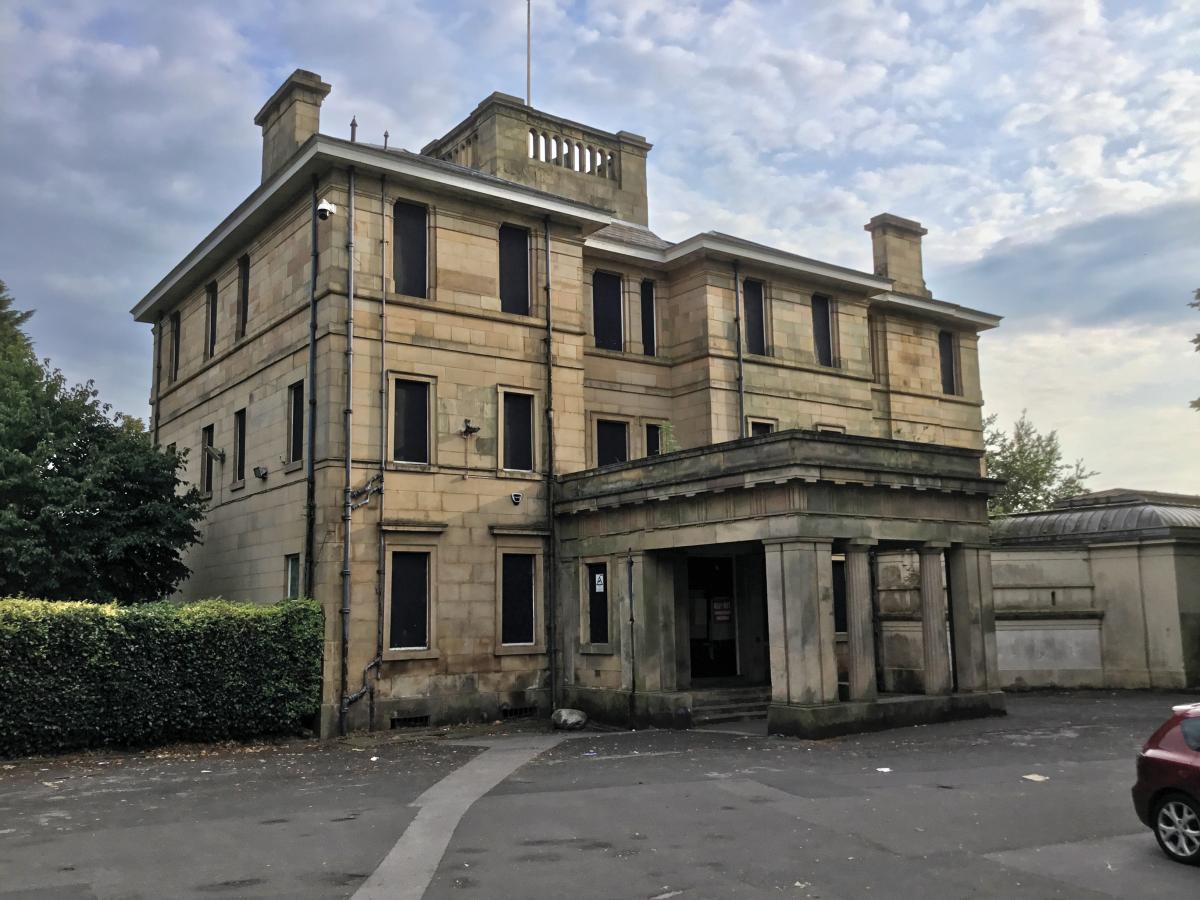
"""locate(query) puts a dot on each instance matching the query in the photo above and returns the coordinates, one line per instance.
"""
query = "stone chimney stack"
(896, 243)
(290, 117)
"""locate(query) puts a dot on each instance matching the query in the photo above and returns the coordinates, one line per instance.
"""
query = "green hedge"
(75, 675)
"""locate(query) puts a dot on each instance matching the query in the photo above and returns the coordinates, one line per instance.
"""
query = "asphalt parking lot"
(940, 811)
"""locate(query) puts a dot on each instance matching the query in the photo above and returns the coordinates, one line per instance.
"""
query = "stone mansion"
(527, 453)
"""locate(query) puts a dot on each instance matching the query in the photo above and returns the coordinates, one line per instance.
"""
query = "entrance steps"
(731, 704)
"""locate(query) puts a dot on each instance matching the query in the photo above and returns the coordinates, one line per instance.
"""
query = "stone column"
(800, 622)
(860, 621)
(968, 571)
(933, 622)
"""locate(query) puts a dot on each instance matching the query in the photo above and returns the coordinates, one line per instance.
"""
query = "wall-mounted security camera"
(260, 472)
(325, 209)
(517, 497)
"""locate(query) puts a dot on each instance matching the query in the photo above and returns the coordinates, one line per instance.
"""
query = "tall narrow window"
(514, 270)
(875, 344)
(606, 311)
(597, 611)
(174, 361)
(517, 598)
(210, 319)
(653, 440)
(612, 442)
(518, 431)
(947, 353)
(410, 427)
(822, 316)
(291, 567)
(409, 248)
(243, 309)
(206, 459)
(295, 422)
(753, 302)
(409, 613)
(649, 338)
(239, 445)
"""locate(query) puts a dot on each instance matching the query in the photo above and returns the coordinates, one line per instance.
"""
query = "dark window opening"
(518, 712)
(653, 440)
(239, 445)
(753, 303)
(409, 248)
(606, 311)
(612, 442)
(597, 575)
(839, 595)
(516, 598)
(175, 328)
(410, 428)
(518, 432)
(410, 721)
(946, 354)
(759, 428)
(243, 315)
(409, 625)
(291, 564)
(210, 316)
(822, 315)
(874, 338)
(206, 459)
(295, 436)
(514, 270)
(649, 341)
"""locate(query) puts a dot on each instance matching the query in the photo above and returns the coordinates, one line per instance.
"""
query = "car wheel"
(1177, 827)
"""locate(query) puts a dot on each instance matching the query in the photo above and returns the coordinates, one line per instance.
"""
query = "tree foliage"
(89, 507)
(11, 320)
(1031, 462)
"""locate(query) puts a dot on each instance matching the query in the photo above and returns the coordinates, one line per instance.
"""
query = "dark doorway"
(713, 602)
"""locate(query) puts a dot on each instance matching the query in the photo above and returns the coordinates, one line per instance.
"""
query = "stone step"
(729, 712)
(724, 698)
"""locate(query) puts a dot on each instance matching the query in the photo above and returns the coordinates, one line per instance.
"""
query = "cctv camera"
(517, 497)
(325, 209)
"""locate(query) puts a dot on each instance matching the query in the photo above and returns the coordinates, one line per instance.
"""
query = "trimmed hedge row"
(76, 675)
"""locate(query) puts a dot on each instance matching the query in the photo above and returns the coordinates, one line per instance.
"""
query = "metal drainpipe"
(550, 569)
(383, 424)
(737, 321)
(632, 643)
(157, 332)
(348, 487)
(310, 498)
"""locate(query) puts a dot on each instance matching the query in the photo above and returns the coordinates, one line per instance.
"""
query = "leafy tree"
(89, 507)
(1196, 340)
(1031, 463)
(11, 320)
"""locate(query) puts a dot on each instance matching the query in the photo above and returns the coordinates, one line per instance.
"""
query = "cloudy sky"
(1051, 147)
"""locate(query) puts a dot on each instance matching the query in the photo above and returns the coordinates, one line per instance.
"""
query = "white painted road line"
(410, 865)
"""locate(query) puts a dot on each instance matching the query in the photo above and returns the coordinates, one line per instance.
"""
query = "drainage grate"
(410, 721)
(518, 712)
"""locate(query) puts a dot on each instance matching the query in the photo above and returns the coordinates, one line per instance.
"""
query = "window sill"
(400, 465)
(405, 655)
(519, 649)
(597, 649)
(294, 466)
(206, 495)
(238, 485)
(519, 474)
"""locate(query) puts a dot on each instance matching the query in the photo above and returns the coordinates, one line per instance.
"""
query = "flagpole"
(529, 52)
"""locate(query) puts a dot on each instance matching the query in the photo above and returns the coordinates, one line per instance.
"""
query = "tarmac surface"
(941, 811)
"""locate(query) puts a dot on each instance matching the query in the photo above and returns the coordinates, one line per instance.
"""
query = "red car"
(1167, 793)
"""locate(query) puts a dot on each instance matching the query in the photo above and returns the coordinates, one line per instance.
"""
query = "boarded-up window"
(206, 459)
(653, 440)
(174, 361)
(514, 270)
(409, 250)
(518, 431)
(760, 428)
(822, 317)
(295, 434)
(243, 314)
(410, 426)
(612, 442)
(239, 445)
(606, 311)
(210, 319)
(409, 603)
(947, 347)
(755, 316)
(597, 587)
(517, 598)
(649, 339)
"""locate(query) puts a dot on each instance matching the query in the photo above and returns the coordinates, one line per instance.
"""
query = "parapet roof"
(1108, 516)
